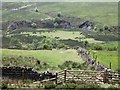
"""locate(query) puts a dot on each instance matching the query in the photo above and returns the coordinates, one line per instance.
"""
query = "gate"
(86, 76)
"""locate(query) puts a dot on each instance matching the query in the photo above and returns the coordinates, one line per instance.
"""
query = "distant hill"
(101, 13)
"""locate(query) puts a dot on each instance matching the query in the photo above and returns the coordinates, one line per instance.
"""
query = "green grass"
(105, 57)
(61, 34)
(64, 35)
(105, 13)
(52, 57)
(92, 40)
(107, 45)
(111, 44)
(101, 13)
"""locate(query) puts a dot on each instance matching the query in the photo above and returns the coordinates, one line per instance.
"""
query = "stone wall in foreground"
(25, 73)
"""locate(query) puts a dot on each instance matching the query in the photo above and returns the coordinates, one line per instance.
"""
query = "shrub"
(79, 86)
(112, 48)
(46, 46)
(76, 65)
(114, 87)
(97, 47)
(61, 45)
(59, 15)
(106, 27)
(92, 68)
(15, 43)
(49, 86)
(3, 86)
(67, 86)
(89, 86)
(70, 65)
(49, 43)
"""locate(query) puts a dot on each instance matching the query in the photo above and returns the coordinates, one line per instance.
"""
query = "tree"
(34, 32)
(101, 30)
(58, 20)
(15, 43)
(36, 10)
(61, 45)
(106, 28)
(85, 43)
(3, 86)
(35, 43)
(59, 15)
(45, 46)
(49, 43)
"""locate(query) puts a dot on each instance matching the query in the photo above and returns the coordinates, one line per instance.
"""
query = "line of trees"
(36, 44)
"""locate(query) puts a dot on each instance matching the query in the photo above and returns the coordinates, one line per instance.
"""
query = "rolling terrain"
(100, 13)
(48, 37)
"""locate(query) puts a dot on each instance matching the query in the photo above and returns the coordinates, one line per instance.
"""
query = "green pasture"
(64, 35)
(105, 57)
(52, 57)
(60, 34)
(111, 44)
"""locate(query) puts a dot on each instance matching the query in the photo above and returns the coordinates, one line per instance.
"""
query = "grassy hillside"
(105, 13)
(52, 57)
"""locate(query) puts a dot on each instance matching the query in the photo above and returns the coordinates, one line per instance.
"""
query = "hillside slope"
(101, 13)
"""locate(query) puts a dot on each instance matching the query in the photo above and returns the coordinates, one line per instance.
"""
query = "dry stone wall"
(25, 73)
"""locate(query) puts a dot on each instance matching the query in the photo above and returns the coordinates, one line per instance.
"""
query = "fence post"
(65, 75)
(110, 65)
(23, 74)
(96, 57)
(56, 78)
(105, 76)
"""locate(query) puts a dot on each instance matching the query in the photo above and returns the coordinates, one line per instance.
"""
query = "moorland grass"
(101, 13)
(52, 57)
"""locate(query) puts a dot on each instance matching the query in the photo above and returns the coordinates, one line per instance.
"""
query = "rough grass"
(111, 44)
(52, 57)
(65, 35)
(105, 13)
(92, 40)
(105, 57)
(61, 34)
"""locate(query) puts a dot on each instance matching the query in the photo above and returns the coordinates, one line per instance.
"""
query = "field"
(105, 57)
(64, 35)
(60, 34)
(109, 53)
(57, 57)
(52, 57)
